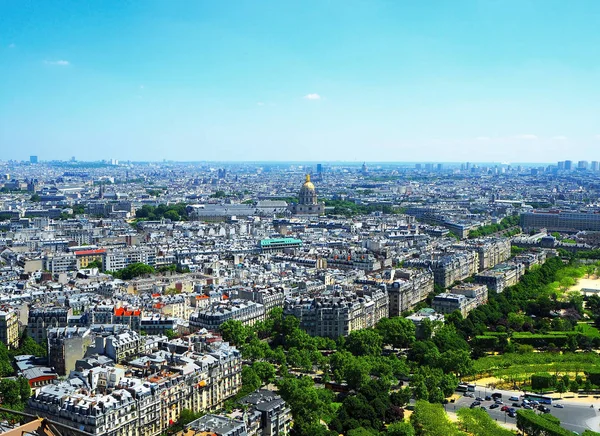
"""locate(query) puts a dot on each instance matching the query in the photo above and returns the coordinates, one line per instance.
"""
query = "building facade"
(211, 318)
(408, 289)
(340, 313)
(9, 328)
(560, 221)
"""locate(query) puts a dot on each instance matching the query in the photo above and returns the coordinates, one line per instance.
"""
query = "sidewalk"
(593, 423)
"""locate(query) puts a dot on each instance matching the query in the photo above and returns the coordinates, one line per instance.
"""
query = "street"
(573, 417)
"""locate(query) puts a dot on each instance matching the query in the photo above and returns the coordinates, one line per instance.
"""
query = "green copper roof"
(279, 241)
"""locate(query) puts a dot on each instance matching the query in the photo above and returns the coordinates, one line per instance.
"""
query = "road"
(573, 417)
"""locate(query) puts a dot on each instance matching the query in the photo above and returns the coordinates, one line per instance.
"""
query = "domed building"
(307, 201)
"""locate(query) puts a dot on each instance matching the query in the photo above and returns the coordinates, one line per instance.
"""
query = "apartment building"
(409, 288)
(119, 259)
(339, 313)
(269, 412)
(490, 251)
(103, 401)
(270, 298)
(66, 345)
(9, 327)
(449, 267)
(501, 276)
(60, 262)
(464, 298)
(85, 257)
(560, 220)
(120, 346)
(43, 318)
(211, 318)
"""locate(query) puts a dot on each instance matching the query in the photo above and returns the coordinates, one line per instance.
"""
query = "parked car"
(479, 399)
(513, 398)
(512, 414)
(504, 408)
(475, 404)
(516, 405)
(527, 406)
(488, 398)
(512, 409)
(494, 406)
(469, 394)
(499, 402)
(483, 408)
(544, 409)
(559, 406)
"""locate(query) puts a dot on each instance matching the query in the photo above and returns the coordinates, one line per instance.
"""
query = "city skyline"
(187, 81)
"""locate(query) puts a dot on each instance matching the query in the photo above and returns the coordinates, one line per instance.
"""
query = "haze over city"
(511, 81)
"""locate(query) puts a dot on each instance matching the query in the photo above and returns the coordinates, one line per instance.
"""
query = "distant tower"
(364, 170)
(320, 171)
(33, 159)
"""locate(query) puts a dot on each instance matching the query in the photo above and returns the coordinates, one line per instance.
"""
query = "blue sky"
(460, 80)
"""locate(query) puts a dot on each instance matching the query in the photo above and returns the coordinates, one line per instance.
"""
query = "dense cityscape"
(241, 299)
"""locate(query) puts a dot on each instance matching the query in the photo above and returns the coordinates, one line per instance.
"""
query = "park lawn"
(513, 368)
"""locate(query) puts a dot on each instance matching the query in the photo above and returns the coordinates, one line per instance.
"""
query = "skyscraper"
(33, 159)
(582, 165)
(595, 166)
(568, 165)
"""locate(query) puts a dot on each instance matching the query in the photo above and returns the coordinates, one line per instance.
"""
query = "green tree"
(24, 389)
(265, 371)
(401, 397)
(574, 386)
(400, 429)
(398, 332)
(172, 215)
(457, 362)
(250, 381)
(364, 342)
(307, 403)
(560, 387)
(185, 417)
(431, 420)
(361, 431)
(10, 391)
(28, 346)
(95, 264)
(447, 338)
(6, 368)
(424, 352)
(234, 331)
(133, 270)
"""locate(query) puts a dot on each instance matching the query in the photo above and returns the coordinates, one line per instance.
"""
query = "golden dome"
(308, 184)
